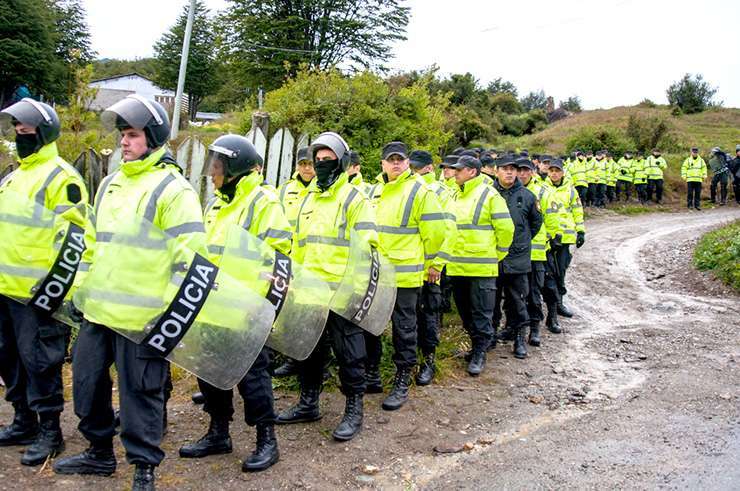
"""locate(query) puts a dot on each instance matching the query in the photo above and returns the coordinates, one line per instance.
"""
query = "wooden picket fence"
(191, 155)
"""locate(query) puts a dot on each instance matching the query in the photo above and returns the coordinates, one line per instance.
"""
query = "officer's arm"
(663, 163)
(550, 209)
(503, 226)
(577, 210)
(361, 217)
(683, 169)
(433, 223)
(535, 217)
(272, 226)
(181, 217)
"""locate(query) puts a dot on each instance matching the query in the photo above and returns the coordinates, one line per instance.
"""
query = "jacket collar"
(332, 190)
(517, 184)
(44, 154)
(245, 186)
(134, 167)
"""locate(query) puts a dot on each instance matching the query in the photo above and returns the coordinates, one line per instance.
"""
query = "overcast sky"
(608, 52)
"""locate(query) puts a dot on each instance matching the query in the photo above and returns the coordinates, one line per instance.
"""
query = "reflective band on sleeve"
(390, 229)
(317, 239)
(410, 204)
(434, 216)
(469, 260)
(185, 228)
(273, 233)
(500, 216)
(409, 268)
(473, 226)
(539, 247)
(24, 272)
(365, 226)
(250, 211)
(502, 249)
(25, 221)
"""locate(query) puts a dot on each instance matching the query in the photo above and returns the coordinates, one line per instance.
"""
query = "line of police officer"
(486, 236)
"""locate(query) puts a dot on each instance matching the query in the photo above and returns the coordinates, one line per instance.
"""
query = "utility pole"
(183, 71)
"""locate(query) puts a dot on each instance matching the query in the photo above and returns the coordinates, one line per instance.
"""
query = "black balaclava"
(327, 173)
(26, 145)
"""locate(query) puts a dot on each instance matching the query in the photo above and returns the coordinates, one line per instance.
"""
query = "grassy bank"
(719, 252)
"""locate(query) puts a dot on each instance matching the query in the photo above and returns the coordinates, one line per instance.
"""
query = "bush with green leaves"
(363, 109)
(691, 94)
(598, 138)
(648, 132)
(719, 251)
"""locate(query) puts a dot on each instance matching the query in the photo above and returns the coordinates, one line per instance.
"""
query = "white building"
(113, 89)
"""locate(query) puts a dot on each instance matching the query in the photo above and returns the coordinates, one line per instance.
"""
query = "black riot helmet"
(139, 113)
(32, 113)
(237, 154)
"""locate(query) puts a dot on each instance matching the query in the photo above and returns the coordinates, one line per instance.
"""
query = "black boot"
(266, 453)
(351, 423)
(426, 370)
(477, 363)
(563, 310)
(22, 431)
(400, 392)
(534, 333)
(290, 367)
(143, 478)
(552, 322)
(216, 441)
(305, 411)
(49, 443)
(507, 334)
(520, 345)
(373, 384)
(198, 398)
(98, 460)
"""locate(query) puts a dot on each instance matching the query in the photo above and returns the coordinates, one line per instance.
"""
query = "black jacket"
(527, 219)
(734, 166)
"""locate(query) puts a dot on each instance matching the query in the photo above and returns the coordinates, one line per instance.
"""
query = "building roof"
(132, 74)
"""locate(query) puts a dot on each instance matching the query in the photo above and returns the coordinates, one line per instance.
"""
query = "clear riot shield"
(300, 298)
(367, 293)
(148, 287)
(30, 263)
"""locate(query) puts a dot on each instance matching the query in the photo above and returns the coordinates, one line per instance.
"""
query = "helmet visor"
(134, 110)
(26, 111)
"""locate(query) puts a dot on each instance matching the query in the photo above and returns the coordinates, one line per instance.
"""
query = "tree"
(499, 85)
(534, 100)
(572, 104)
(270, 39)
(691, 94)
(110, 67)
(73, 45)
(203, 73)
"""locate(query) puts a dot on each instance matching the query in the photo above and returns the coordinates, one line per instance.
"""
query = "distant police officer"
(331, 210)
(655, 165)
(694, 171)
(150, 186)
(734, 166)
(624, 176)
(517, 265)
(32, 344)
(355, 176)
(241, 199)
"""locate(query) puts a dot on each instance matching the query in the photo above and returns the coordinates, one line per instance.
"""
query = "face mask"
(26, 145)
(327, 173)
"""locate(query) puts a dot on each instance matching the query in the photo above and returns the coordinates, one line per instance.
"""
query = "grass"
(718, 251)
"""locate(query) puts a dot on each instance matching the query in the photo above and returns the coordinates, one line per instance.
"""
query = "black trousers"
(516, 289)
(32, 351)
(255, 389)
(600, 195)
(591, 194)
(611, 193)
(551, 287)
(142, 376)
(736, 190)
(657, 186)
(693, 195)
(721, 179)
(583, 194)
(536, 281)
(428, 316)
(560, 258)
(626, 187)
(641, 190)
(474, 297)
(404, 333)
(348, 343)
(445, 285)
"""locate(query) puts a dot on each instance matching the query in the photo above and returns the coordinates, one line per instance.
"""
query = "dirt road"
(641, 391)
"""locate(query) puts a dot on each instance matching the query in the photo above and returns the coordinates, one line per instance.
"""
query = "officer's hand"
(580, 239)
(623, 171)
(556, 241)
(434, 275)
(74, 313)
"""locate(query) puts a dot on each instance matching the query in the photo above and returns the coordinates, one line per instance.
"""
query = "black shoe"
(217, 441)
(564, 311)
(22, 431)
(117, 419)
(492, 343)
(351, 423)
(290, 367)
(143, 478)
(520, 345)
(198, 398)
(427, 370)
(266, 453)
(553, 325)
(477, 363)
(400, 392)
(305, 411)
(534, 334)
(507, 334)
(49, 443)
(373, 384)
(697, 208)
(96, 460)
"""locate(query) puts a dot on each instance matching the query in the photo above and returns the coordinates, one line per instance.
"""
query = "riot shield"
(300, 298)
(153, 290)
(367, 292)
(43, 270)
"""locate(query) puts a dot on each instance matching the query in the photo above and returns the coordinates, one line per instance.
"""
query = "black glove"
(74, 313)
(556, 241)
(623, 171)
(580, 239)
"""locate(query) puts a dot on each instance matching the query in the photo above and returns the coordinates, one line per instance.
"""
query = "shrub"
(572, 104)
(647, 103)
(691, 94)
(597, 138)
(719, 251)
(648, 132)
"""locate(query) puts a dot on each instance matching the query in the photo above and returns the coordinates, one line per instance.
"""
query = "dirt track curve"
(641, 391)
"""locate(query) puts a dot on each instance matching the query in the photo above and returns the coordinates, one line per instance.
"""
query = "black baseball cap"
(395, 148)
(545, 158)
(302, 155)
(467, 161)
(556, 163)
(449, 160)
(487, 160)
(524, 163)
(420, 158)
(354, 158)
(694, 149)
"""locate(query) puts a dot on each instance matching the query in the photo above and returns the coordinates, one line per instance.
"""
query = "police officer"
(429, 307)
(577, 171)
(32, 344)
(488, 168)
(447, 179)
(517, 265)
(655, 165)
(484, 233)
(693, 171)
(734, 166)
(571, 230)
(241, 199)
(639, 177)
(624, 176)
(150, 186)
(611, 177)
(331, 210)
(355, 176)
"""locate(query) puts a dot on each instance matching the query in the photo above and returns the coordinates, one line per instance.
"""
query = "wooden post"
(261, 120)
